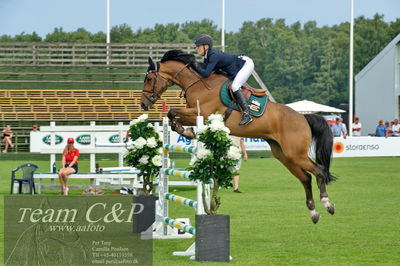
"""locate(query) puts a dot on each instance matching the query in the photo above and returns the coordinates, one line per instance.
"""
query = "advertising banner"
(349, 147)
(366, 147)
(41, 140)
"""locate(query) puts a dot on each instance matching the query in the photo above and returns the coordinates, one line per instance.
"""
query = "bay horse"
(287, 132)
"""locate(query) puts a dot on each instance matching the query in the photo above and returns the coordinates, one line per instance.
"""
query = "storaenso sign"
(114, 138)
(46, 139)
(83, 139)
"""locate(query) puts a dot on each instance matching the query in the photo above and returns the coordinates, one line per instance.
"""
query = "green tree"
(122, 33)
(58, 35)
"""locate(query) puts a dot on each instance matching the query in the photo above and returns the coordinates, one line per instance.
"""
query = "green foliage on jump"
(215, 162)
(145, 154)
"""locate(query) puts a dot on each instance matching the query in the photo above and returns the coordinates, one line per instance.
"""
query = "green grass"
(270, 224)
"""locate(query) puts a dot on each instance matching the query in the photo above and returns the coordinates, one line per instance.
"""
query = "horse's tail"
(323, 138)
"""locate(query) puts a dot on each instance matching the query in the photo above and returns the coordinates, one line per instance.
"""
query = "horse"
(288, 133)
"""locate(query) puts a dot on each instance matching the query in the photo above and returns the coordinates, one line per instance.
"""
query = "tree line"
(297, 61)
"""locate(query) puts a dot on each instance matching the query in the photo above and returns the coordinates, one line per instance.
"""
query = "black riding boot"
(241, 100)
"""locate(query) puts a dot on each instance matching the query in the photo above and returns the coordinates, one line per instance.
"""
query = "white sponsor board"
(41, 140)
(349, 147)
(366, 147)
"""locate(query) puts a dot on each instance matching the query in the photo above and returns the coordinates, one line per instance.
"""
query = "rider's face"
(201, 49)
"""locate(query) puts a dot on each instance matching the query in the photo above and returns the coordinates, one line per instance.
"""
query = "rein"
(199, 78)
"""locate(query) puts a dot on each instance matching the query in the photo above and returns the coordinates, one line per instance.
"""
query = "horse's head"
(155, 83)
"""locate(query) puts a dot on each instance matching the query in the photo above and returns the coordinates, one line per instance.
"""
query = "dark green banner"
(80, 230)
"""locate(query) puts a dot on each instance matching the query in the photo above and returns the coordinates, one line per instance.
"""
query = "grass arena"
(268, 225)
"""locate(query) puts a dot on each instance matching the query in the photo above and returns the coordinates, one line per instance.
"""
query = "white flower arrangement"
(216, 117)
(151, 142)
(234, 153)
(141, 118)
(139, 143)
(226, 130)
(157, 160)
(217, 125)
(216, 161)
(203, 153)
(145, 151)
(144, 159)
(193, 160)
(201, 129)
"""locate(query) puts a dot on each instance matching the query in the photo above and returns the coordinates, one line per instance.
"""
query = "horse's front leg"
(183, 117)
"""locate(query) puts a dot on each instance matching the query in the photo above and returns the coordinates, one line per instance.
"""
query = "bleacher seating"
(80, 104)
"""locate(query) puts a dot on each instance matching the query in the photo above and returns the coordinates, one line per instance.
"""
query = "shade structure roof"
(309, 107)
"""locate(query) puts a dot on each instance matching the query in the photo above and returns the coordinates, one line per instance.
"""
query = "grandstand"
(72, 83)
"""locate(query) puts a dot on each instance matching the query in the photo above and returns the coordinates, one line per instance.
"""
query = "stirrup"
(246, 119)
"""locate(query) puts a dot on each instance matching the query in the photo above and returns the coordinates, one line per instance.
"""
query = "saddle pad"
(256, 104)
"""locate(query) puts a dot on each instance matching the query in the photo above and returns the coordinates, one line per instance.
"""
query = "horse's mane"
(190, 59)
(179, 55)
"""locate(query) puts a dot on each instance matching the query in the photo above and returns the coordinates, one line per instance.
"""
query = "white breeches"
(243, 74)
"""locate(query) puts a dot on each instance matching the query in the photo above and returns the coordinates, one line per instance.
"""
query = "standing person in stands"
(396, 128)
(7, 135)
(69, 165)
(237, 67)
(381, 130)
(357, 127)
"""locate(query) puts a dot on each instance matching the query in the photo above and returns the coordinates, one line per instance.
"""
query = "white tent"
(309, 107)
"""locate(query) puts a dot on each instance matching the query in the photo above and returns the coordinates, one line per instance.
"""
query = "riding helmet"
(203, 39)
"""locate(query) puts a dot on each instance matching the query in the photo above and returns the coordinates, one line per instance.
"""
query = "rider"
(237, 67)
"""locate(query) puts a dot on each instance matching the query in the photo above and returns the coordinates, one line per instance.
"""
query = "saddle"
(248, 91)
(257, 99)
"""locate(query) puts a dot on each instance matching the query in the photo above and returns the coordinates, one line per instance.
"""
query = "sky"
(42, 16)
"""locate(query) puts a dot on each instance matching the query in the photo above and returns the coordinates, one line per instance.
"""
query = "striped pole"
(181, 226)
(176, 173)
(180, 148)
(181, 200)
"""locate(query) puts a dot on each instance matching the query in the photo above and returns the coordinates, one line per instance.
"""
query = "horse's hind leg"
(303, 176)
(316, 170)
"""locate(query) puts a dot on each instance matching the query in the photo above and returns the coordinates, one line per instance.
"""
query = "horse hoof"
(315, 217)
(331, 209)
(189, 133)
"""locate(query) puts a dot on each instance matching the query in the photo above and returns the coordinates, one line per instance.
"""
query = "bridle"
(155, 95)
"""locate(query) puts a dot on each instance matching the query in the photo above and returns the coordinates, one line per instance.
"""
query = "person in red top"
(70, 165)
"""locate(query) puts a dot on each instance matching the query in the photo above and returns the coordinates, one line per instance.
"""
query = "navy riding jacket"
(229, 63)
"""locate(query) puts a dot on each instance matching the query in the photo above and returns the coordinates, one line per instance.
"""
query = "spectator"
(238, 142)
(7, 135)
(381, 130)
(69, 165)
(344, 128)
(35, 128)
(339, 129)
(396, 128)
(388, 129)
(357, 127)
